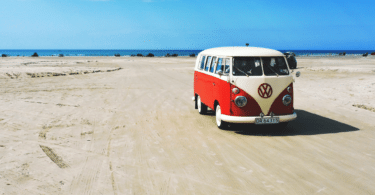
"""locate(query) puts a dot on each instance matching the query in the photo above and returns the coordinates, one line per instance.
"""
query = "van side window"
(219, 65)
(208, 63)
(227, 66)
(203, 60)
(213, 63)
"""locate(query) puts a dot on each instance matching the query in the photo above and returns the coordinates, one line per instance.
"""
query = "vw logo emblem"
(265, 90)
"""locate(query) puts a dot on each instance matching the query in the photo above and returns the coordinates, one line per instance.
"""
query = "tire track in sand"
(54, 157)
(85, 182)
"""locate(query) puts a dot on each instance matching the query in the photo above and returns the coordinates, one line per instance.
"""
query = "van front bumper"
(251, 119)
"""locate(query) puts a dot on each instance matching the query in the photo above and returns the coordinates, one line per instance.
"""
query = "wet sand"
(127, 125)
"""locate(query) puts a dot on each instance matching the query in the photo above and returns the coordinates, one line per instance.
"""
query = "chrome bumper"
(251, 119)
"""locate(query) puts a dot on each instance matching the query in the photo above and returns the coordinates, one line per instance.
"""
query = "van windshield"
(274, 66)
(247, 66)
(251, 66)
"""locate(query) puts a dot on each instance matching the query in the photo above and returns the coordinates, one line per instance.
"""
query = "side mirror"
(219, 72)
(298, 73)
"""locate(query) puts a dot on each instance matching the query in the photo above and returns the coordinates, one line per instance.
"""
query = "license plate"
(273, 120)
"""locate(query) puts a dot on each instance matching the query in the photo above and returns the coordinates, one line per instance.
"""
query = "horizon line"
(197, 49)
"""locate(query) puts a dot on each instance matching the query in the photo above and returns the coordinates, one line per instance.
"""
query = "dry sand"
(106, 125)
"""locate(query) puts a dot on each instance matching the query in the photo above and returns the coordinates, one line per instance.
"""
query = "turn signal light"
(289, 89)
(235, 90)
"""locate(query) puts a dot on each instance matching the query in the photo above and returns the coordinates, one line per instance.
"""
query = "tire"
(221, 124)
(202, 109)
(195, 103)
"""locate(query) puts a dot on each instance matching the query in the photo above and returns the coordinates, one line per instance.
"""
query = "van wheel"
(221, 124)
(195, 102)
(202, 109)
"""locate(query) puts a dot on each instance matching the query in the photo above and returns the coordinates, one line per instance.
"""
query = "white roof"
(241, 51)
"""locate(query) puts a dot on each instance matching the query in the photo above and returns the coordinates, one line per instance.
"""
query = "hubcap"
(218, 115)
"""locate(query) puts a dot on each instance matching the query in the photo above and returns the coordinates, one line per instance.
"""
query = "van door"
(206, 87)
(221, 91)
(199, 77)
(210, 81)
(229, 63)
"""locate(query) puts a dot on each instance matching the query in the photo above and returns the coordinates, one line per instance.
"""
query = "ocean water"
(89, 52)
(328, 52)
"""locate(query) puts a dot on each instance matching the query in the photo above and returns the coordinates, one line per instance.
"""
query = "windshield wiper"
(269, 66)
(241, 71)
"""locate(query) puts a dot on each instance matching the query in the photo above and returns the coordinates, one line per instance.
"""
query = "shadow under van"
(307, 124)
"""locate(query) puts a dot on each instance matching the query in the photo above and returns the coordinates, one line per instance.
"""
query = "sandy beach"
(127, 125)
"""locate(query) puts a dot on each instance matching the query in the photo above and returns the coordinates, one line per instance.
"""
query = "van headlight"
(240, 101)
(287, 99)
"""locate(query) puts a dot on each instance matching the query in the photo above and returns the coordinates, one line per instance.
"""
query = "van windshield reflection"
(251, 66)
(274, 66)
(247, 66)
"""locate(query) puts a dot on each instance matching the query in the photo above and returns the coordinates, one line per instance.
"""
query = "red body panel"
(222, 95)
(252, 107)
(278, 107)
(210, 88)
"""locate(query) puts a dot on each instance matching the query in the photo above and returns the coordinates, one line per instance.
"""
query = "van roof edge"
(242, 51)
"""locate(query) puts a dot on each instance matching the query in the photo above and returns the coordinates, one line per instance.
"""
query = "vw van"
(244, 85)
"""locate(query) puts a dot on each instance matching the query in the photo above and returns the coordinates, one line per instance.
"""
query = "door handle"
(213, 84)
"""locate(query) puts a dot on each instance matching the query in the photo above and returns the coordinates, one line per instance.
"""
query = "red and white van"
(244, 85)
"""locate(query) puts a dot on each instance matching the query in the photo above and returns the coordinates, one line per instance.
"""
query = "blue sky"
(186, 24)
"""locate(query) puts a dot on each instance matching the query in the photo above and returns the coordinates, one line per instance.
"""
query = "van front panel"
(278, 85)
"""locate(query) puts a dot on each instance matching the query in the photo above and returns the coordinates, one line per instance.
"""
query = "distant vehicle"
(244, 85)
(289, 53)
(291, 58)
